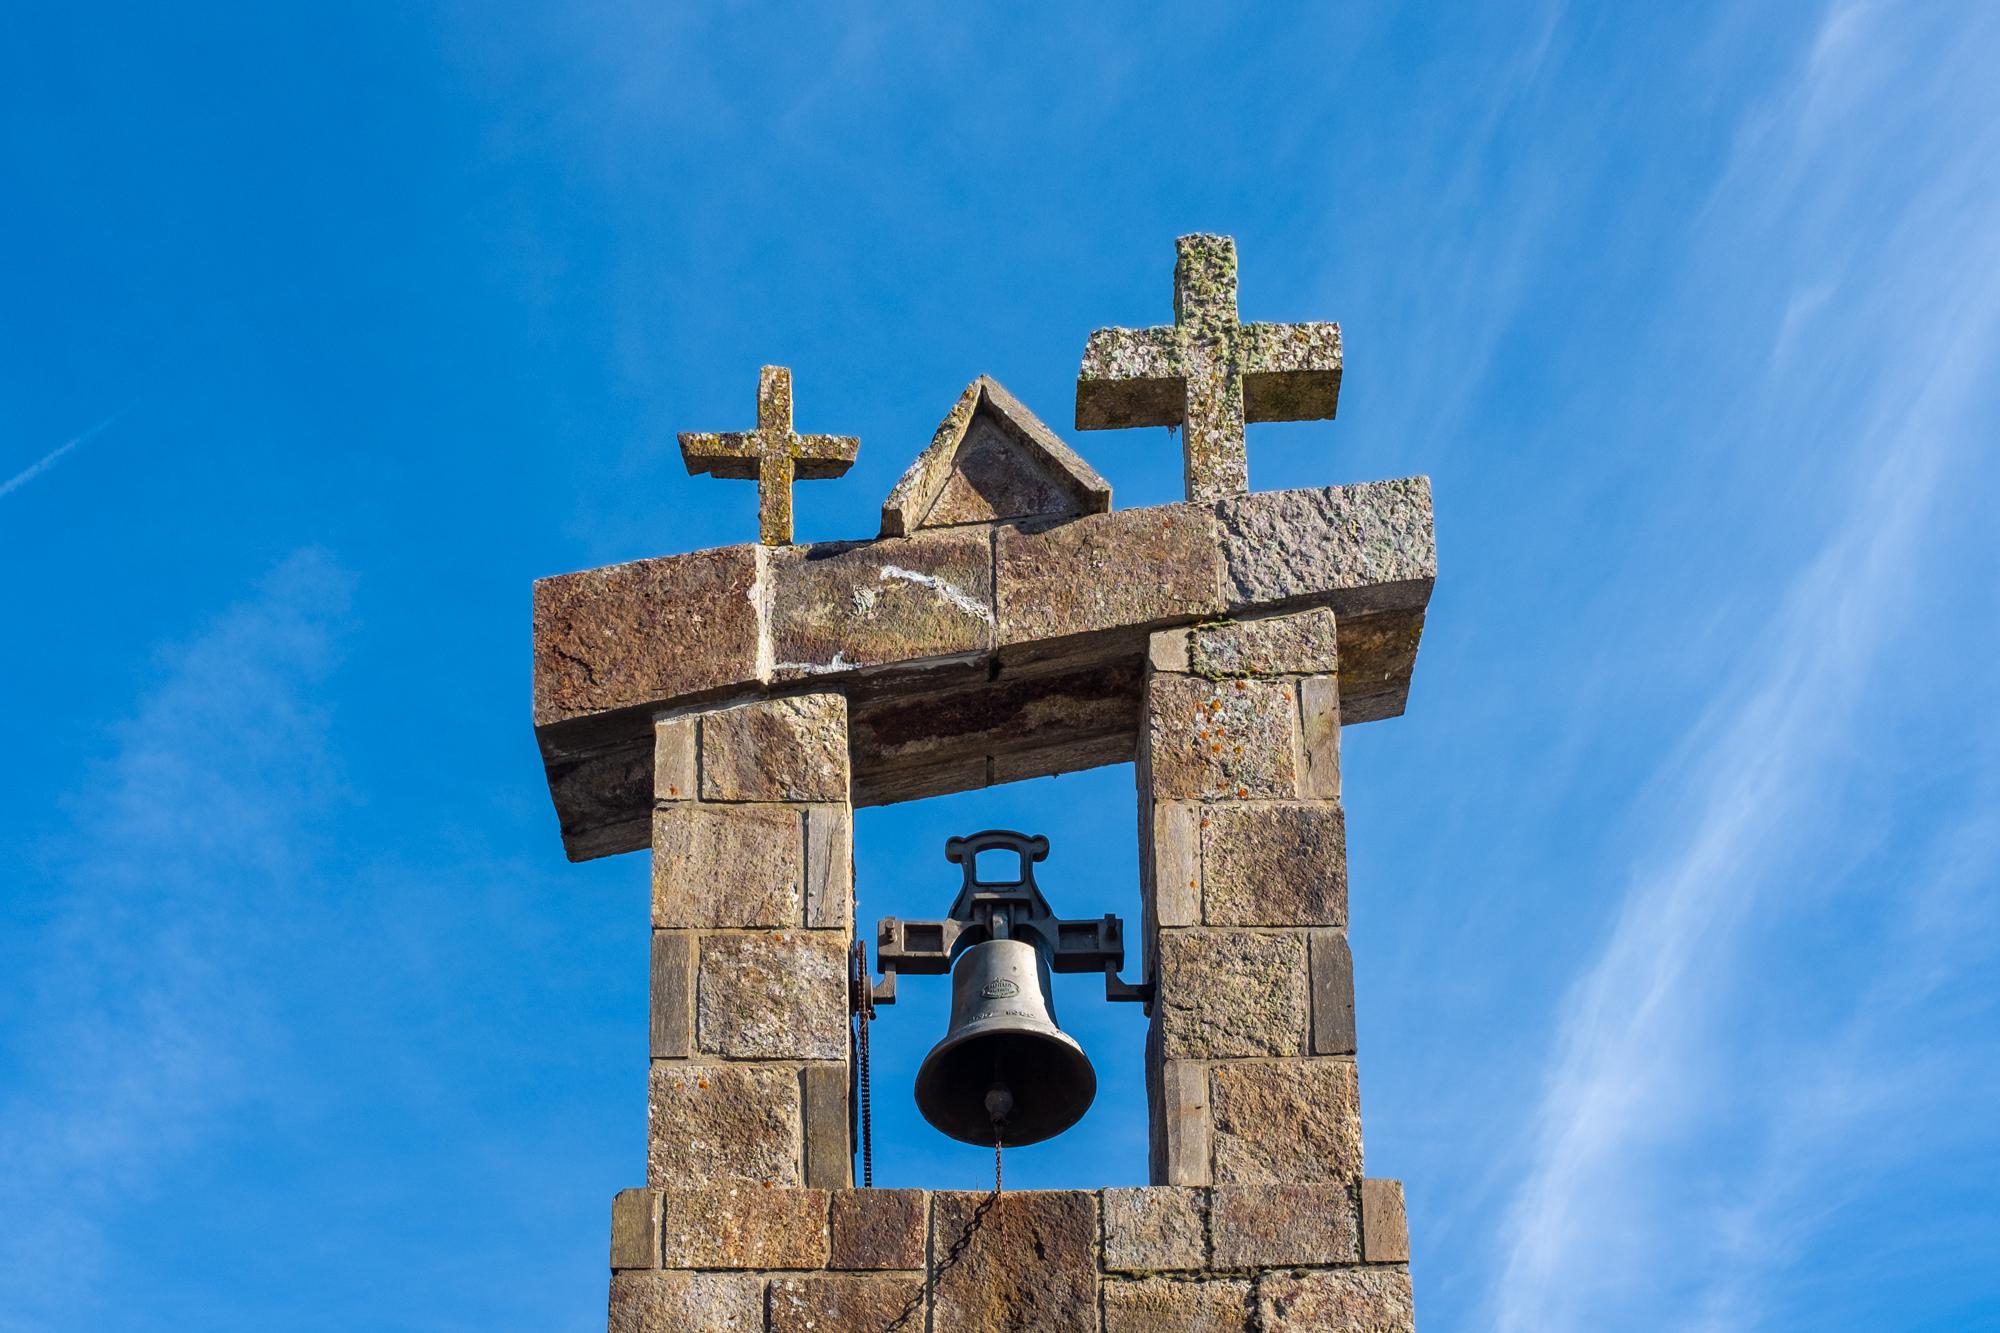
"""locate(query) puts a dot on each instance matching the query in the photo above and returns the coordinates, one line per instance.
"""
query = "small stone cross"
(1208, 372)
(773, 453)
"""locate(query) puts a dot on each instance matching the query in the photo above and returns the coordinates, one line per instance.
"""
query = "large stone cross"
(1208, 372)
(773, 453)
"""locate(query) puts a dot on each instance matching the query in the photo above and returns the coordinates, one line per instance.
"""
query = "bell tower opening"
(1091, 869)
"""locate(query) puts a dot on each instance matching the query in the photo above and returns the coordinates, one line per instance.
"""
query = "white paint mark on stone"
(972, 606)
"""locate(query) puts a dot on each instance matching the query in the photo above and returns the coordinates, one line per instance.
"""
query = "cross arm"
(1291, 372)
(819, 457)
(731, 455)
(1130, 377)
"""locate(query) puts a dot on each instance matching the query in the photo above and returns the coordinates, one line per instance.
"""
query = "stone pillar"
(1251, 1054)
(752, 919)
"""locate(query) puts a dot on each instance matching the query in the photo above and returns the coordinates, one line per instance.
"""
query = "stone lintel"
(1030, 640)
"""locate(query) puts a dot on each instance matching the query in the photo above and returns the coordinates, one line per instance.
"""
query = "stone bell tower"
(729, 708)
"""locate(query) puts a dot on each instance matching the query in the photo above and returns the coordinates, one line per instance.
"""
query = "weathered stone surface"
(1181, 1120)
(843, 1303)
(1282, 1121)
(1098, 601)
(958, 739)
(726, 866)
(1225, 993)
(792, 749)
(672, 994)
(829, 867)
(1131, 569)
(1350, 1300)
(655, 629)
(841, 606)
(1220, 740)
(635, 1229)
(1167, 650)
(774, 454)
(1175, 849)
(743, 1226)
(604, 802)
(1030, 1267)
(1319, 737)
(879, 1229)
(1272, 1226)
(713, 1123)
(1332, 965)
(1303, 644)
(1208, 372)
(781, 996)
(663, 1301)
(1359, 548)
(992, 459)
(1176, 1305)
(829, 1145)
(1157, 1229)
(1266, 864)
(1385, 1228)
(674, 758)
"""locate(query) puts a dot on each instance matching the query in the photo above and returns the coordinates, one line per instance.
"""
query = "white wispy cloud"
(51, 458)
(136, 1030)
(1607, 1218)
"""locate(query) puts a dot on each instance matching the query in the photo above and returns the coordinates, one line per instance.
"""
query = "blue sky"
(326, 329)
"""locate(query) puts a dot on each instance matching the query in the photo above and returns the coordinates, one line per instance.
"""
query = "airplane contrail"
(48, 460)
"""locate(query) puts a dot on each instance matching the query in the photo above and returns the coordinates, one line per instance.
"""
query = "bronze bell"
(1004, 1053)
(1004, 1073)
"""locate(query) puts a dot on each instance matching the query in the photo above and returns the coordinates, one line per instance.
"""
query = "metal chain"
(862, 1001)
(932, 1273)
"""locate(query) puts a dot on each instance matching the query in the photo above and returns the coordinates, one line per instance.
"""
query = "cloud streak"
(1610, 1218)
(52, 457)
(137, 1026)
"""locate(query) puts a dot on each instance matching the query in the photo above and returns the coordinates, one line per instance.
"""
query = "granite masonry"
(730, 708)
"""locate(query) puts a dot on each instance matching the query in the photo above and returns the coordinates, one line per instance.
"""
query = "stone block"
(845, 1303)
(830, 867)
(1275, 1226)
(1029, 1267)
(674, 758)
(635, 1229)
(1299, 645)
(1340, 1300)
(1176, 1305)
(829, 1146)
(840, 606)
(875, 1229)
(1157, 1229)
(672, 994)
(712, 1123)
(1266, 864)
(743, 1226)
(1167, 650)
(1176, 863)
(1283, 1121)
(1079, 577)
(1373, 543)
(1181, 1130)
(1230, 993)
(780, 996)
(1385, 1228)
(792, 749)
(727, 866)
(664, 1301)
(1220, 740)
(639, 633)
(1319, 738)
(1332, 967)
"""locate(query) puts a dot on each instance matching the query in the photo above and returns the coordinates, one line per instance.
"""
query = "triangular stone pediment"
(992, 460)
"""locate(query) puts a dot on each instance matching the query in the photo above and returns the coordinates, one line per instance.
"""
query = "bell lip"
(989, 1025)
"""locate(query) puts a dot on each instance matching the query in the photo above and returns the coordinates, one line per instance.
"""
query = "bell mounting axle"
(1005, 1073)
